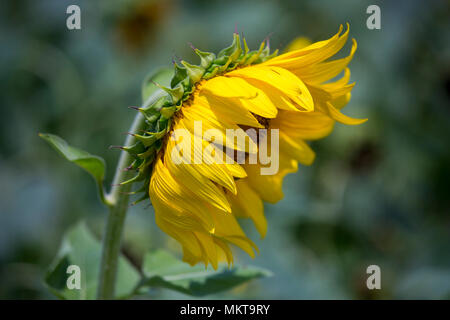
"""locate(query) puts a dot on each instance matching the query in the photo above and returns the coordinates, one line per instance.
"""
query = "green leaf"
(161, 269)
(162, 77)
(80, 248)
(92, 164)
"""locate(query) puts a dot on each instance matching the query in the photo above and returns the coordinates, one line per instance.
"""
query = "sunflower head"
(184, 82)
(197, 187)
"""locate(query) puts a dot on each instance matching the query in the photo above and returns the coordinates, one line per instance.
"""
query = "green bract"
(158, 115)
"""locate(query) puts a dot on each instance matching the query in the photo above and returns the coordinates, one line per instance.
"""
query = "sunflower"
(295, 94)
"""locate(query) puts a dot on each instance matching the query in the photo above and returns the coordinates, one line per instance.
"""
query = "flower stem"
(117, 201)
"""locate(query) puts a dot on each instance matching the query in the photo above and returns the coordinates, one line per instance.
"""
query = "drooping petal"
(288, 56)
(260, 105)
(319, 53)
(340, 117)
(192, 177)
(281, 79)
(191, 247)
(278, 98)
(169, 194)
(225, 109)
(297, 149)
(247, 204)
(199, 124)
(269, 187)
(209, 248)
(228, 229)
(325, 71)
(227, 87)
(304, 125)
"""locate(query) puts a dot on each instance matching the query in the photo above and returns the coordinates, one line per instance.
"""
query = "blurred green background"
(377, 194)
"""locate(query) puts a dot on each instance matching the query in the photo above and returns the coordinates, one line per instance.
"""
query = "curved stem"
(117, 201)
(102, 194)
(118, 198)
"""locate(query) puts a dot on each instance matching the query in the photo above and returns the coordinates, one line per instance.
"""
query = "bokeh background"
(377, 194)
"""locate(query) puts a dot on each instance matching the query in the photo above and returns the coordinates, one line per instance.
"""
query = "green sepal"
(143, 188)
(211, 74)
(175, 93)
(206, 58)
(168, 112)
(179, 75)
(136, 163)
(272, 55)
(234, 50)
(135, 149)
(143, 198)
(150, 138)
(220, 61)
(254, 55)
(194, 73)
(142, 173)
(246, 49)
(148, 152)
(152, 112)
(225, 66)
(150, 89)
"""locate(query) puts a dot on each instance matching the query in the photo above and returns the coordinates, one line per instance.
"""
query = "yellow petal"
(216, 172)
(236, 170)
(187, 239)
(209, 248)
(176, 218)
(227, 87)
(269, 187)
(243, 143)
(260, 105)
(227, 109)
(325, 71)
(304, 125)
(320, 53)
(329, 91)
(289, 56)
(247, 204)
(341, 101)
(297, 149)
(226, 249)
(281, 79)
(191, 179)
(228, 229)
(332, 90)
(278, 98)
(165, 191)
(342, 118)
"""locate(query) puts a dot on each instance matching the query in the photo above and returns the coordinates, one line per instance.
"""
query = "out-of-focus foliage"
(80, 248)
(377, 193)
(162, 270)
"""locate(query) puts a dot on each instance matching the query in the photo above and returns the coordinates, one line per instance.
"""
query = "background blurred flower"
(298, 43)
